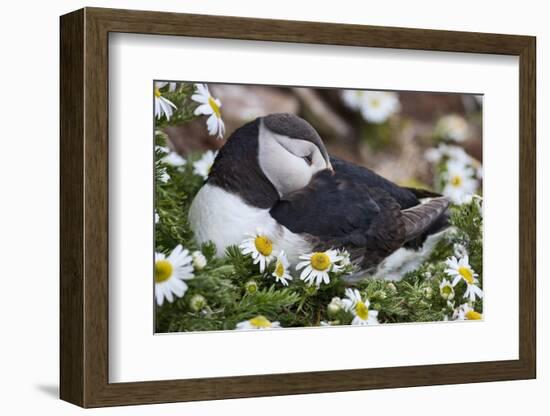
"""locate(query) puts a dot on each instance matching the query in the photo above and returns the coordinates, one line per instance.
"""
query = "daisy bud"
(335, 306)
(446, 290)
(380, 294)
(197, 303)
(251, 287)
(311, 290)
(392, 287)
(199, 261)
(428, 292)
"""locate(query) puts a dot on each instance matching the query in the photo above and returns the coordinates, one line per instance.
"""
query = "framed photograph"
(262, 207)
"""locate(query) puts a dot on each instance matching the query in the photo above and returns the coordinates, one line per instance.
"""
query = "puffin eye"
(308, 159)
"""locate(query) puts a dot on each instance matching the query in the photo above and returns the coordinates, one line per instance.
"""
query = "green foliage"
(469, 231)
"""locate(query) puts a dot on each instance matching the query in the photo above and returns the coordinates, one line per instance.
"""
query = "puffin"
(275, 174)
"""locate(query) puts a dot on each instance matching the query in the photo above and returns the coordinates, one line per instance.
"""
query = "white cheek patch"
(284, 169)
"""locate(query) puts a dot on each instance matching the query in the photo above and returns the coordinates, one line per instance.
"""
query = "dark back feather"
(404, 196)
(356, 209)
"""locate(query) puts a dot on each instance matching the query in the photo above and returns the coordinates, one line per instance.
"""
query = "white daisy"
(199, 261)
(281, 273)
(461, 270)
(456, 153)
(170, 273)
(353, 98)
(163, 106)
(446, 290)
(378, 106)
(209, 106)
(258, 322)
(162, 149)
(375, 106)
(318, 265)
(479, 172)
(174, 159)
(460, 182)
(164, 176)
(202, 166)
(157, 217)
(171, 85)
(346, 258)
(452, 127)
(360, 308)
(435, 154)
(466, 312)
(260, 247)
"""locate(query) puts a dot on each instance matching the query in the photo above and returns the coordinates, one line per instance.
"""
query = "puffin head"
(290, 151)
(269, 158)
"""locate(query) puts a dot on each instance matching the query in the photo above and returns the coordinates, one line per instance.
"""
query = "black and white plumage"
(275, 173)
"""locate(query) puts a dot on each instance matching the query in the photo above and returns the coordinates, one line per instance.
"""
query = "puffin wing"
(431, 218)
(336, 212)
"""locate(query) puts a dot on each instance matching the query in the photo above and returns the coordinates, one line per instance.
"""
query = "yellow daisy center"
(163, 270)
(215, 107)
(263, 245)
(362, 311)
(473, 315)
(466, 274)
(320, 261)
(456, 181)
(157, 93)
(375, 103)
(279, 269)
(260, 322)
(447, 290)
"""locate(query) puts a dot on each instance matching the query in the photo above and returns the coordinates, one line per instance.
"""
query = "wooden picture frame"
(84, 207)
